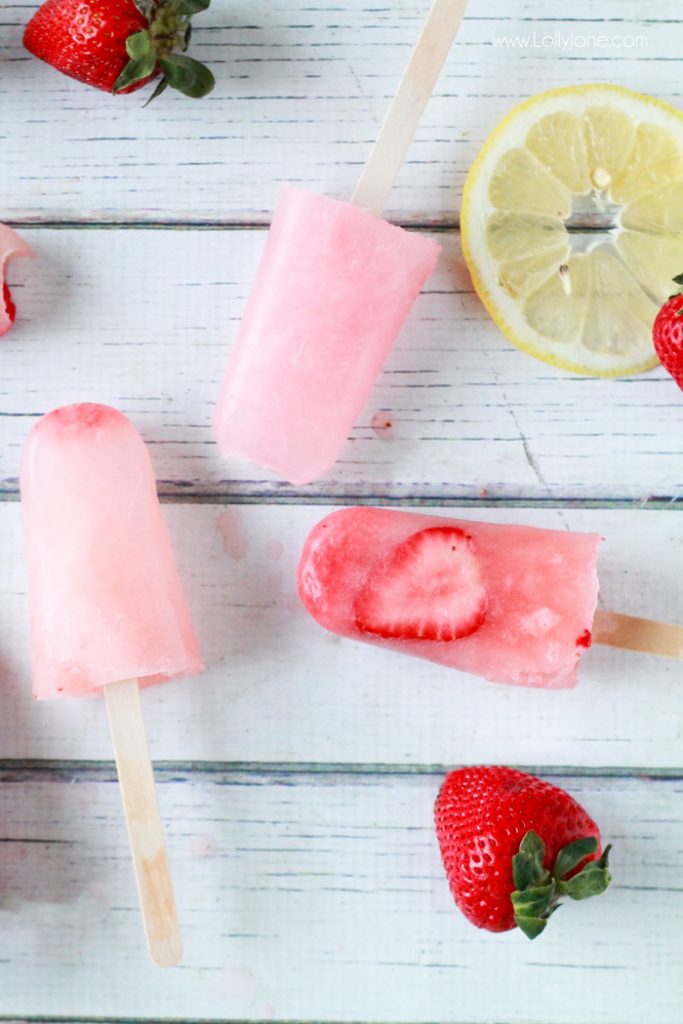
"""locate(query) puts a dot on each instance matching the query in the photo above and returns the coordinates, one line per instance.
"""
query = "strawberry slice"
(431, 589)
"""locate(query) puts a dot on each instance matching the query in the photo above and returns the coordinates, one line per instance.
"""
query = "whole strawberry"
(667, 335)
(120, 45)
(513, 845)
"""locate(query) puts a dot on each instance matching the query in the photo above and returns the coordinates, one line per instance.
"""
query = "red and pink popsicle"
(514, 604)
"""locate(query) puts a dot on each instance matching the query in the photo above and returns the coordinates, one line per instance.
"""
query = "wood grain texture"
(302, 91)
(322, 897)
(279, 688)
(145, 830)
(630, 633)
(407, 107)
(145, 320)
(309, 882)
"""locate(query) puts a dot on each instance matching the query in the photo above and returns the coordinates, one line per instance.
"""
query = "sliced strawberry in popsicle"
(518, 601)
(10, 245)
(432, 589)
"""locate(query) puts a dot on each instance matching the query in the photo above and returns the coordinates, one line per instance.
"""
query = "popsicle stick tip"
(167, 952)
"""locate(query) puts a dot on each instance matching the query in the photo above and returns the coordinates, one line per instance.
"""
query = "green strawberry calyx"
(162, 46)
(679, 281)
(538, 890)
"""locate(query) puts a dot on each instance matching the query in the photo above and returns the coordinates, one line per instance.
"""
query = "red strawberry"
(431, 589)
(512, 845)
(667, 335)
(10, 308)
(119, 45)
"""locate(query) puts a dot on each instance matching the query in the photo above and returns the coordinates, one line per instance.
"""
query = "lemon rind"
(581, 366)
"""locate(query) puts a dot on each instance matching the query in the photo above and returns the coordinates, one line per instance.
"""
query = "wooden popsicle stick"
(145, 831)
(634, 634)
(407, 107)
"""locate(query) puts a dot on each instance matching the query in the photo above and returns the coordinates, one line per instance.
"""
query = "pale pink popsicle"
(333, 290)
(513, 604)
(106, 600)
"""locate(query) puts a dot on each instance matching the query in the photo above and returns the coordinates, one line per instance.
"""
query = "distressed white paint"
(145, 320)
(322, 897)
(302, 90)
(280, 688)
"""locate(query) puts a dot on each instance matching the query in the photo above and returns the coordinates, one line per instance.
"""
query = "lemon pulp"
(609, 161)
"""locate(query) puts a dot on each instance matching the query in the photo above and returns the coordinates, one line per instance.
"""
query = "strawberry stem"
(162, 46)
(678, 280)
(538, 891)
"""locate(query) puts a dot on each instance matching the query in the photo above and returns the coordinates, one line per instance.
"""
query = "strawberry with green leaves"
(120, 45)
(513, 846)
(667, 334)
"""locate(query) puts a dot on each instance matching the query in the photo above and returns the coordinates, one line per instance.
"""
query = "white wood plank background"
(279, 688)
(471, 416)
(322, 895)
(302, 90)
(297, 775)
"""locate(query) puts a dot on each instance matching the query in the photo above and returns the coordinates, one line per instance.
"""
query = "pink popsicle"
(108, 611)
(106, 600)
(523, 599)
(334, 287)
(333, 290)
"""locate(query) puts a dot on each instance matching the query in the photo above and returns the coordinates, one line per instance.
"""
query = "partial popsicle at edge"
(513, 604)
(334, 288)
(11, 246)
(107, 608)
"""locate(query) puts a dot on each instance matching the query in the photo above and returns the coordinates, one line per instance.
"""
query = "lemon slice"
(572, 225)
